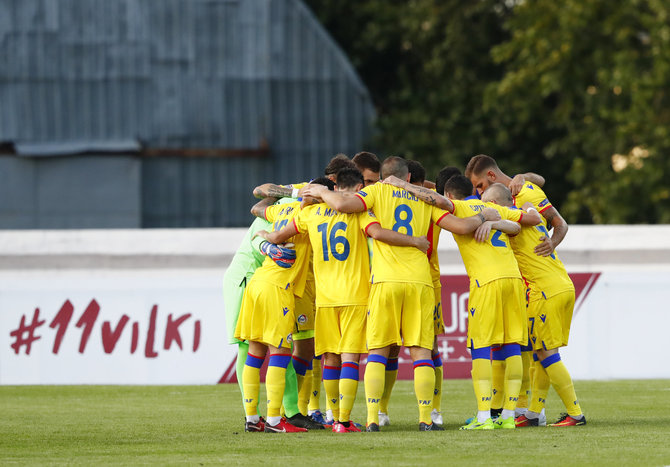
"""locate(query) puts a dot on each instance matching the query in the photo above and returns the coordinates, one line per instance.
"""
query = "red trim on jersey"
(361, 198)
(265, 213)
(430, 239)
(368, 226)
(520, 217)
(443, 216)
(295, 225)
(548, 206)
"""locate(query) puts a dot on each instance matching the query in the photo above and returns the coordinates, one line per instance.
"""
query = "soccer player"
(341, 257)
(303, 358)
(550, 308)
(496, 299)
(368, 164)
(249, 257)
(400, 307)
(418, 177)
(266, 320)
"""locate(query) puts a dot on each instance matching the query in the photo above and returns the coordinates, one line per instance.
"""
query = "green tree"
(575, 90)
(594, 74)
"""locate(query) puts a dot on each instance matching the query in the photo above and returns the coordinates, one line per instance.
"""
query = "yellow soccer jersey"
(295, 276)
(402, 212)
(341, 259)
(545, 274)
(434, 238)
(492, 259)
(534, 194)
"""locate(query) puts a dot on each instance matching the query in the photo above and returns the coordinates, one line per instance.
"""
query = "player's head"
(482, 170)
(417, 174)
(349, 180)
(369, 166)
(337, 163)
(397, 166)
(458, 187)
(325, 181)
(499, 194)
(443, 175)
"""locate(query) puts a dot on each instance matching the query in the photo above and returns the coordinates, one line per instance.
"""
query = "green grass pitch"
(628, 424)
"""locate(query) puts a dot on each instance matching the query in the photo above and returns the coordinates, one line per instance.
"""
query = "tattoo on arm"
(276, 191)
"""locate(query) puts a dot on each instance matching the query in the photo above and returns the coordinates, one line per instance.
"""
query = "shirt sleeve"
(367, 195)
(536, 195)
(366, 219)
(514, 215)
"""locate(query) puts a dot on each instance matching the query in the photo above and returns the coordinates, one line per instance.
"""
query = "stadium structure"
(138, 113)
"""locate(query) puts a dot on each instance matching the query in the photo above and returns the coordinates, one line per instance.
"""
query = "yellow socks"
(390, 377)
(497, 377)
(562, 383)
(424, 384)
(316, 385)
(275, 382)
(374, 385)
(348, 388)
(524, 392)
(481, 380)
(331, 382)
(251, 383)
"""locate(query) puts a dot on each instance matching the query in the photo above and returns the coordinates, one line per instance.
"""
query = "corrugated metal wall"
(177, 74)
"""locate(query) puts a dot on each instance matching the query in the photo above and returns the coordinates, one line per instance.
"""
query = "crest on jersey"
(302, 319)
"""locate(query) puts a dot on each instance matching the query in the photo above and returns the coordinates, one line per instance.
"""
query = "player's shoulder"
(530, 189)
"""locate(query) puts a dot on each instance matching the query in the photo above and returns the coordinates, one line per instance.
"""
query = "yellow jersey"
(340, 254)
(292, 278)
(402, 212)
(533, 194)
(544, 274)
(492, 259)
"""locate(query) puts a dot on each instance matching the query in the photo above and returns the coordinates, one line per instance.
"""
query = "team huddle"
(346, 266)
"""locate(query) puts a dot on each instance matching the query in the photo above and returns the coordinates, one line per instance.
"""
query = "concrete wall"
(145, 306)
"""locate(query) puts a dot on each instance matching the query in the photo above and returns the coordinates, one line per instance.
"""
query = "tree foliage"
(576, 90)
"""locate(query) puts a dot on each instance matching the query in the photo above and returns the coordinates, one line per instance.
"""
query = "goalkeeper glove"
(282, 256)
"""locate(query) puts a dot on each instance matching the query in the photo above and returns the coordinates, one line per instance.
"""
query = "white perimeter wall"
(145, 306)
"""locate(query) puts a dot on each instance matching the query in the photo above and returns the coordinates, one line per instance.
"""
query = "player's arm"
(279, 236)
(467, 225)
(391, 237)
(517, 182)
(530, 216)
(341, 201)
(511, 228)
(428, 184)
(275, 191)
(547, 245)
(424, 194)
(259, 208)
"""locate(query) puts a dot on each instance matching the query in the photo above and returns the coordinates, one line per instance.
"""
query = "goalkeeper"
(249, 257)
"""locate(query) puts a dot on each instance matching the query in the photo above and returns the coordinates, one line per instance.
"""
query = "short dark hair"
(325, 181)
(337, 163)
(394, 165)
(479, 164)
(367, 160)
(443, 175)
(459, 186)
(417, 174)
(349, 178)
